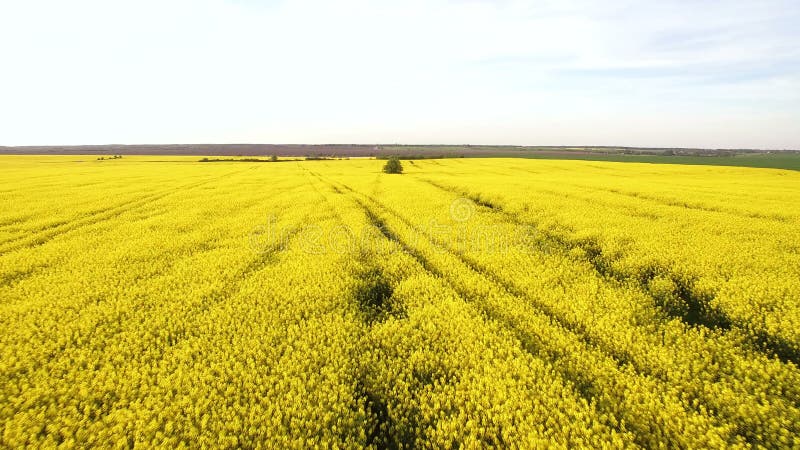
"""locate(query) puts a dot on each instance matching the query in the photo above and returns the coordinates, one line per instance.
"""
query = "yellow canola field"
(165, 302)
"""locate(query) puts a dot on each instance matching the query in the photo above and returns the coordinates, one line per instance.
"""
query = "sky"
(671, 73)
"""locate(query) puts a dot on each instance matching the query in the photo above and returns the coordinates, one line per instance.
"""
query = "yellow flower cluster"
(160, 302)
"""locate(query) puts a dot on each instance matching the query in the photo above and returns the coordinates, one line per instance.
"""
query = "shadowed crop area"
(524, 303)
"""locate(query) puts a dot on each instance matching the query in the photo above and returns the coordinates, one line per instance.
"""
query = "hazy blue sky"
(661, 73)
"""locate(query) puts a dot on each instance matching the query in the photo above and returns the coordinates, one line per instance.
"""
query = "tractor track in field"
(694, 206)
(48, 233)
(479, 269)
(14, 220)
(263, 258)
(621, 359)
(369, 298)
(88, 216)
(698, 311)
(18, 275)
(169, 340)
(751, 435)
(767, 345)
(482, 271)
(672, 203)
(583, 384)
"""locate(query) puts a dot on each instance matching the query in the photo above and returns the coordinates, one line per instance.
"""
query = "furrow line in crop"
(690, 306)
(46, 234)
(593, 387)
